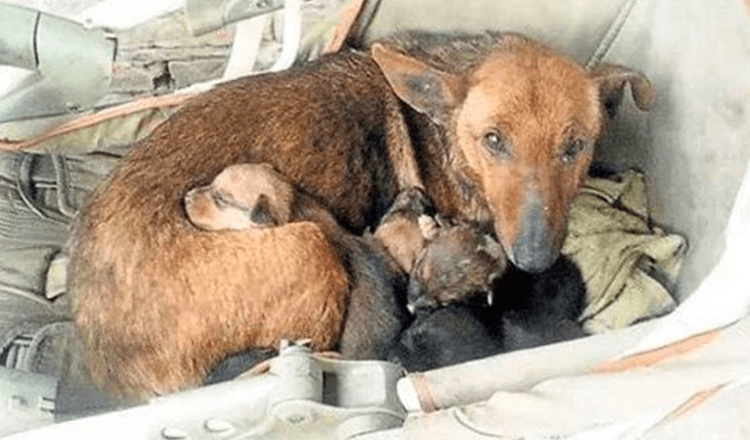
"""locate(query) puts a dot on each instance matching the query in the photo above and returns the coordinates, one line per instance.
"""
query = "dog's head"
(240, 197)
(523, 122)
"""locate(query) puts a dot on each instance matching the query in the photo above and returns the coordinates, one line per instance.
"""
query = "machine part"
(17, 36)
(71, 65)
(478, 380)
(126, 14)
(204, 16)
(302, 396)
(248, 34)
(29, 390)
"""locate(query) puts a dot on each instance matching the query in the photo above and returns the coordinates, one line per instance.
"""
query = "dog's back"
(134, 254)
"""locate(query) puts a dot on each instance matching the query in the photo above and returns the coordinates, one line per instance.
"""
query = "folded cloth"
(628, 263)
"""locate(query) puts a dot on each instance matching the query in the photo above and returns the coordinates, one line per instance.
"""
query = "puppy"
(457, 262)
(446, 335)
(256, 199)
(245, 196)
(529, 310)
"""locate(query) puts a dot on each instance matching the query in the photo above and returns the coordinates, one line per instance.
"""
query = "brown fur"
(244, 196)
(156, 299)
(399, 231)
(458, 262)
(374, 313)
(446, 261)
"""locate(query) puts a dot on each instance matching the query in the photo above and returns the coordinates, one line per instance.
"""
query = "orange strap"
(119, 111)
(651, 357)
(347, 26)
(426, 395)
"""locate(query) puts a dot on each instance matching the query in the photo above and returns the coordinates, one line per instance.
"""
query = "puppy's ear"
(612, 79)
(428, 90)
(491, 248)
(428, 226)
(261, 213)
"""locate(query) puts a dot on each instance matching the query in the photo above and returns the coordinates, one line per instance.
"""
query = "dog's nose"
(532, 259)
(535, 248)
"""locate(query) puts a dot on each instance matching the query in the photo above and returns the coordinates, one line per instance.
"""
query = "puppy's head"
(240, 197)
(459, 262)
(523, 122)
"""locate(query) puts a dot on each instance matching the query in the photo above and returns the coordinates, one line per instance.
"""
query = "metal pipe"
(17, 36)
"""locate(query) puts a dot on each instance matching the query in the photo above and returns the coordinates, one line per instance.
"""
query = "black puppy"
(446, 335)
(529, 310)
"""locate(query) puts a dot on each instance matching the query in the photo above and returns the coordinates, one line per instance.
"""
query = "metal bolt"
(294, 413)
(299, 346)
(171, 433)
(217, 425)
(263, 4)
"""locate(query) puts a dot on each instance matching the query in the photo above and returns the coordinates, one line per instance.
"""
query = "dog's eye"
(496, 143)
(572, 150)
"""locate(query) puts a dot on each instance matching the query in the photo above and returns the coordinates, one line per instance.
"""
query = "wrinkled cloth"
(628, 264)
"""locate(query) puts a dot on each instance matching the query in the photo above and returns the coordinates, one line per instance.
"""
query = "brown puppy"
(457, 263)
(446, 261)
(497, 129)
(246, 196)
(254, 198)
(257, 200)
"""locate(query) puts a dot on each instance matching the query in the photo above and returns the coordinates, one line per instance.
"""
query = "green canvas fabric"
(41, 190)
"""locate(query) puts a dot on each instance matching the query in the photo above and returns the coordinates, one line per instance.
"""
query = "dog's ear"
(428, 90)
(612, 79)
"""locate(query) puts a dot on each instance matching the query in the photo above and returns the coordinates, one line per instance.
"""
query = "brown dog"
(496, 130)
(508, 130)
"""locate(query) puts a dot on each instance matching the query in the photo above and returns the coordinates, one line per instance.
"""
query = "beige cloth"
(627, 263)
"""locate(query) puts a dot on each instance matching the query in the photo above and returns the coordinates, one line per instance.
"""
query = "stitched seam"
(63, 189)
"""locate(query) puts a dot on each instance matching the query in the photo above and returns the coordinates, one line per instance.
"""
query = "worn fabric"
(696, 389)
(41, 190)
(628, 264)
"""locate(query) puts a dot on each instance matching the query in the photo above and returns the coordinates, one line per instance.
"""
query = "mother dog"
(493, 129)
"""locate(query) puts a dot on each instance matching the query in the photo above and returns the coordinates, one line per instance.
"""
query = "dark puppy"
(539, 309)
(529, 310)
(447, 335)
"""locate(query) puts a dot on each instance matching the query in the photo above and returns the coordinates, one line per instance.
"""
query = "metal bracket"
(301, 396)
(207, 15)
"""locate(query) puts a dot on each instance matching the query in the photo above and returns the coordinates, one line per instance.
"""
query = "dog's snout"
(535, 248)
